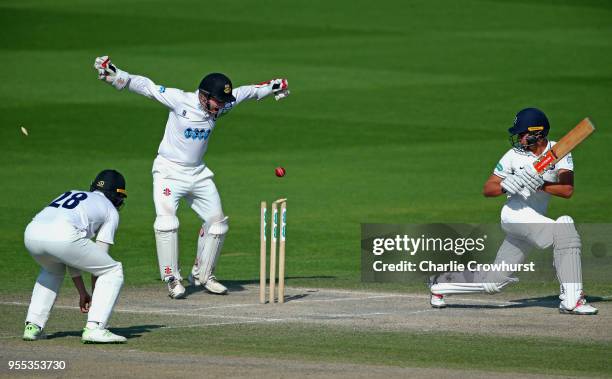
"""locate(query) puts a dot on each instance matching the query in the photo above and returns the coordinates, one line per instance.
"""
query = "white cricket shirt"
(189, 127)
(91, 213)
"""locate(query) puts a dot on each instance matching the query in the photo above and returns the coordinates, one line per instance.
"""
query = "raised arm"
(278, 87)
(141, 85)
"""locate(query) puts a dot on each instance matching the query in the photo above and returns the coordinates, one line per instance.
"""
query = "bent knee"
(499, 284)
(566, 235)
(114, 273)
(217, 226)
(166, 223)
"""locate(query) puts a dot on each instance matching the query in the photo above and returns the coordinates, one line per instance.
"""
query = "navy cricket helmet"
(218, 86)
(112, 184)
(532, 121)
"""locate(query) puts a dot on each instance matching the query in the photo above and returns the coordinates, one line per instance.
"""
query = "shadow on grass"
(542, 302)
(128, 332)
(292, 297)
(239, 285)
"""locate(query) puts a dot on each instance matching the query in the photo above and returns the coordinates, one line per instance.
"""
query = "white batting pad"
(209, 248)
(166, 239)
(567, 249)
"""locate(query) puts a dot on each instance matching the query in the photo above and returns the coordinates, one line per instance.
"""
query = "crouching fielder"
(59, 237)
(178, 170)
(523, 219)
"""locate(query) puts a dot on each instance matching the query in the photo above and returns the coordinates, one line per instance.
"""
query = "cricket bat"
(564, 146)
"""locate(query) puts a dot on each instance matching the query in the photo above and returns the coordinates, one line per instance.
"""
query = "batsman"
(179, 171)
(524, 220)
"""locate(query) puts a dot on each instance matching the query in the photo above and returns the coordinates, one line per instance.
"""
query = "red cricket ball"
(280, 172)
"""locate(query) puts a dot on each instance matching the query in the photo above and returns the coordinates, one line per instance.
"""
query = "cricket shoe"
(437, 301)
(213, 286)
(33, 332)
(175, 288)
(581, 308)
(98, 335)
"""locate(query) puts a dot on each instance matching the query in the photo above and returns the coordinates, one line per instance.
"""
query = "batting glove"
(110, 73)
(512, 184)
(531, 177)
(278, 87)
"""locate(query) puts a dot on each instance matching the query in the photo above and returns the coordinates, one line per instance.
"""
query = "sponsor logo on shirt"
(499, 167)
(162, 89)
(194, 134)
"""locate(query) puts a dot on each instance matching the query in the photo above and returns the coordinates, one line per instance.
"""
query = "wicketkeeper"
(523, 219)
(178, 170)
(59, 237)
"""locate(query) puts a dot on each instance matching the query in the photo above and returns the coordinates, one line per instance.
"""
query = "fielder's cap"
(530, 120)
(218, 86)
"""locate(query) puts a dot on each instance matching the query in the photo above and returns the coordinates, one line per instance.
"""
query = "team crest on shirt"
(183, 114)
(162, 89)
(167, 191)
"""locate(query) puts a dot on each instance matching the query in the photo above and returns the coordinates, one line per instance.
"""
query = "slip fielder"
(523, 219)
(59, 237)
(178, 170)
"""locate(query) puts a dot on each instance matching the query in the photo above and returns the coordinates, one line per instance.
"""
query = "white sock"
(92, 325)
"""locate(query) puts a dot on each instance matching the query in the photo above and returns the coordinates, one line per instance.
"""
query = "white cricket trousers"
(57, 246)
(171, 182)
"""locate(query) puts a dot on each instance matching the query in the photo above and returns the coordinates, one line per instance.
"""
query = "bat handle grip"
(545, 161)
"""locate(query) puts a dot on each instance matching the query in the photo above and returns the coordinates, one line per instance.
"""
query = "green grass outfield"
(398, 114)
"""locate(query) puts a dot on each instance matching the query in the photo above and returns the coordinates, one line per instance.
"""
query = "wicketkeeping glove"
(278, 87)
(110, 73)
(531, 177)
(512, 184)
